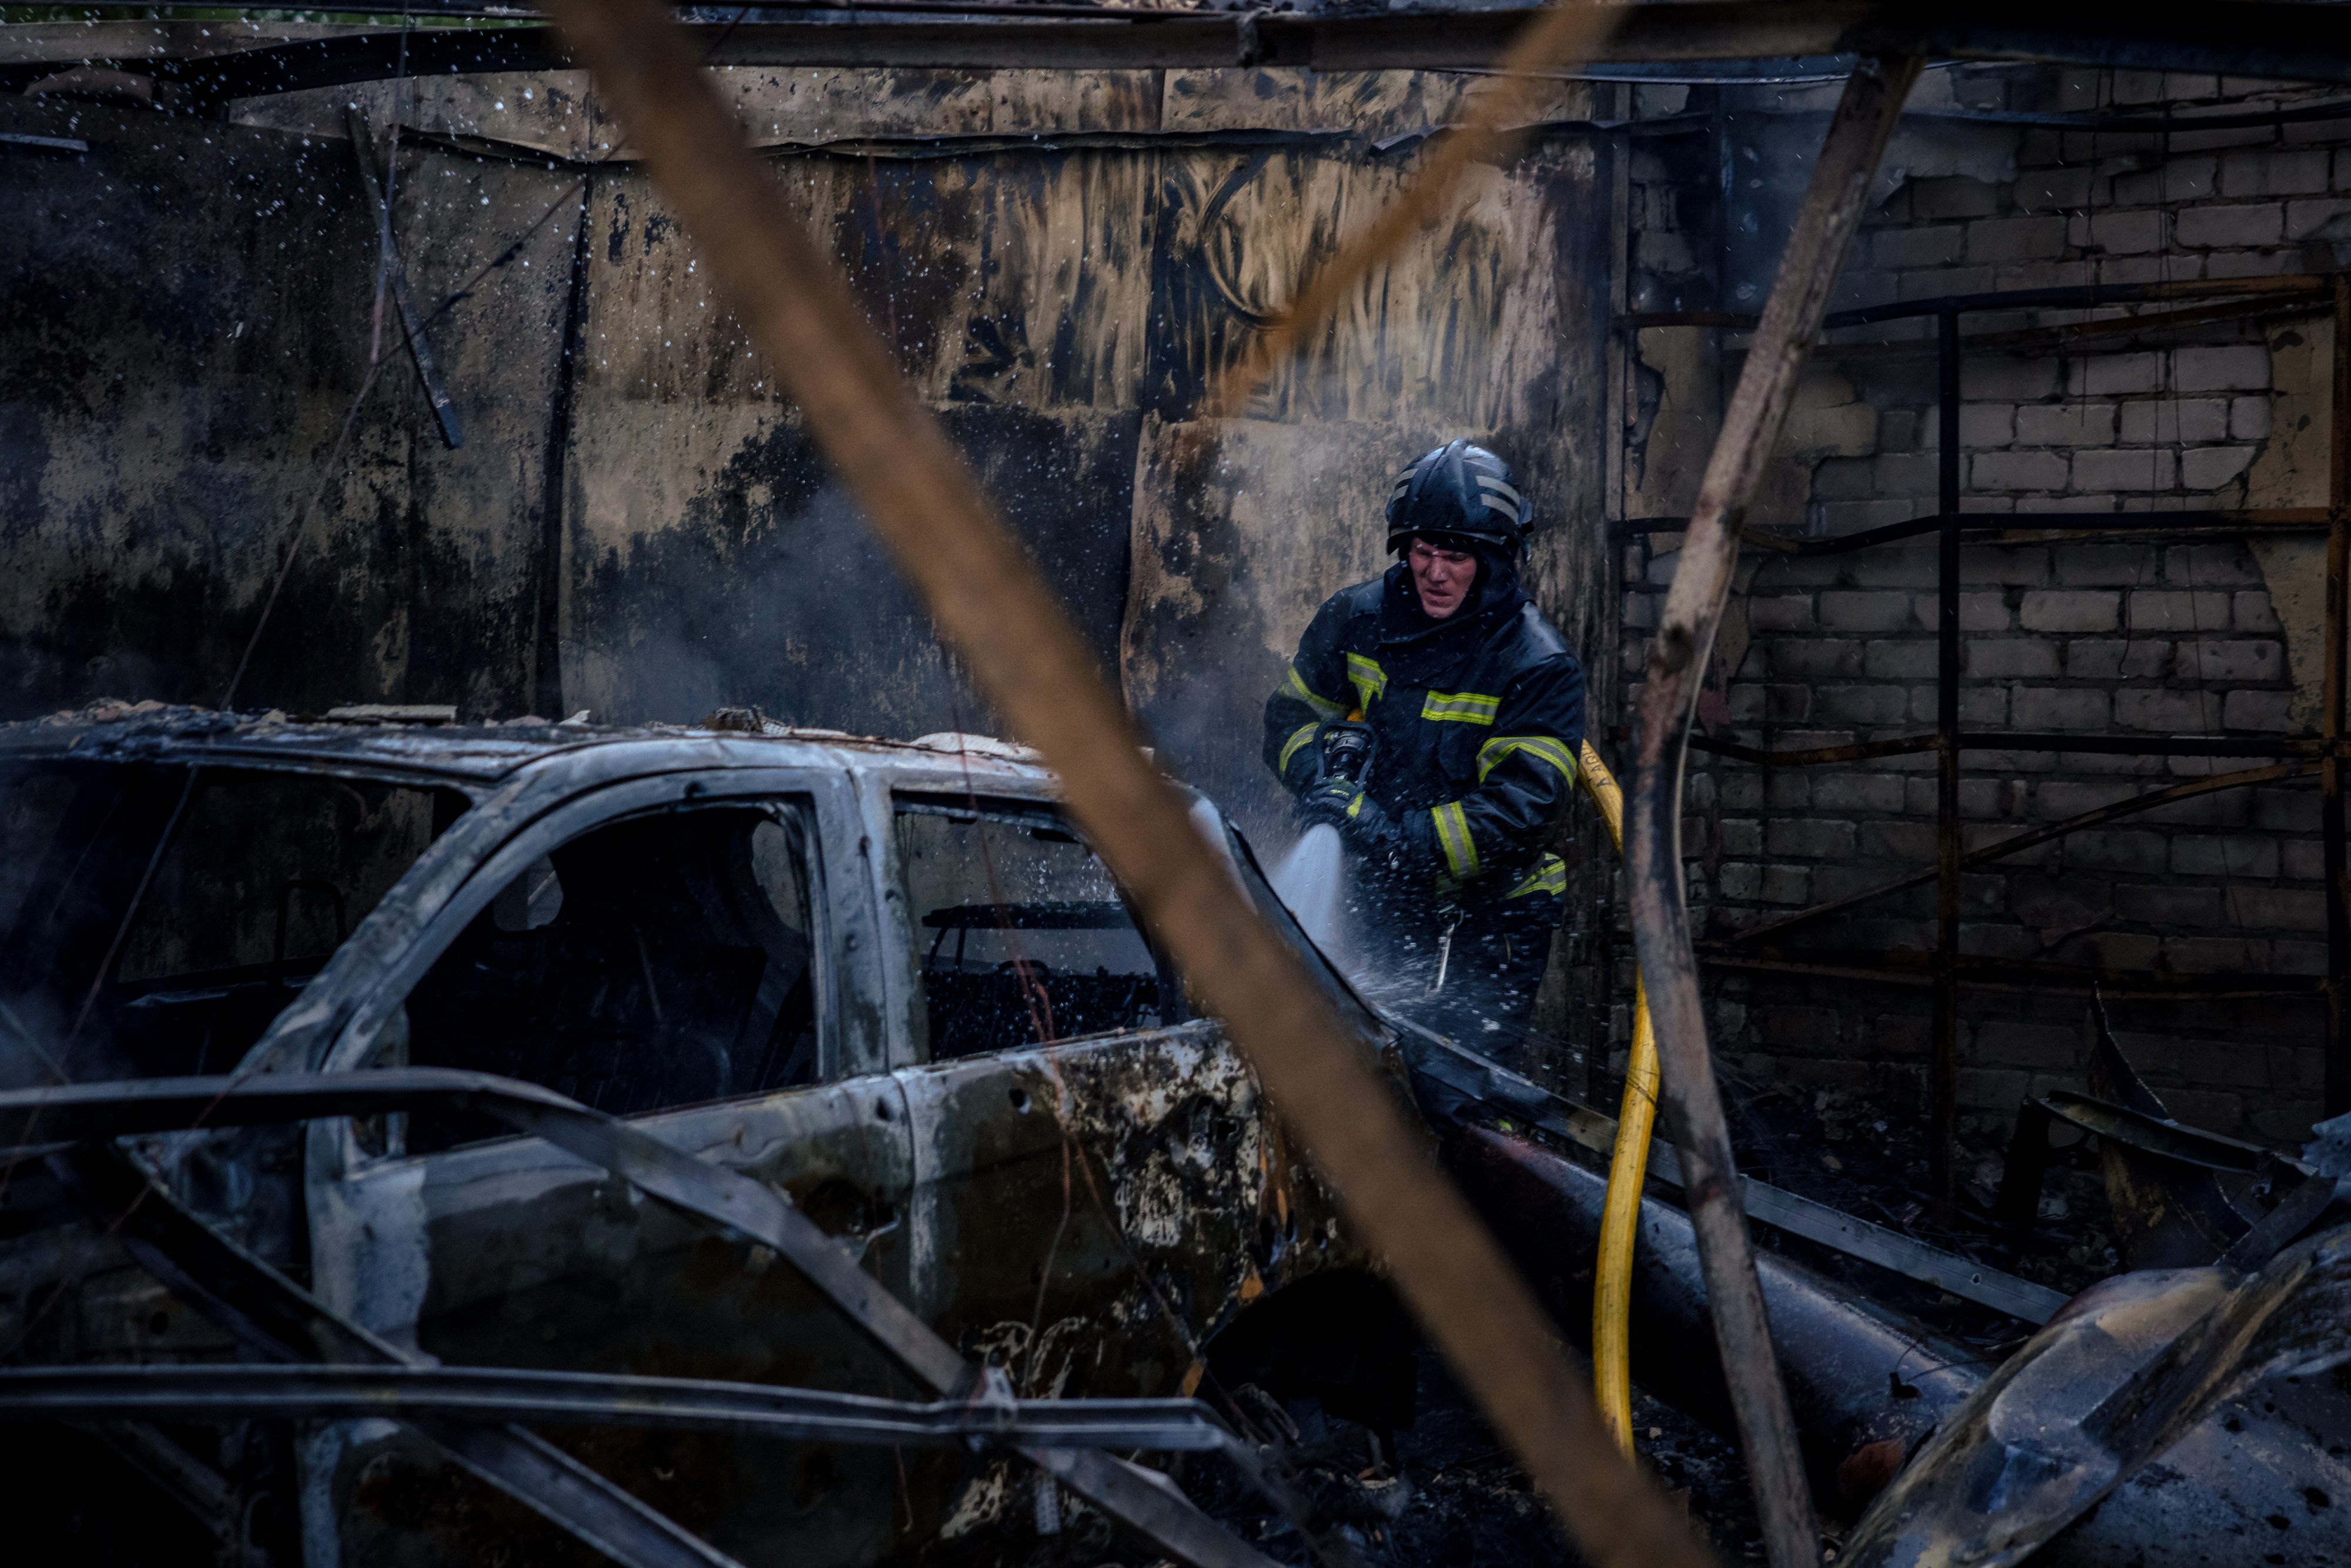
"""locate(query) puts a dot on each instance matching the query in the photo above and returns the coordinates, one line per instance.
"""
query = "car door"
(676, 949)
(1097, 1183)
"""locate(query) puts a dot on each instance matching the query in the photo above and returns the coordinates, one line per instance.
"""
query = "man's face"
(1444, 576)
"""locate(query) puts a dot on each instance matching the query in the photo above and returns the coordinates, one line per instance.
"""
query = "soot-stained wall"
(638, 523)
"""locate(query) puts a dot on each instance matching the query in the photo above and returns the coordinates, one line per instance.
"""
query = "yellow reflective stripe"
(1462, 707)
(1355, 807)
(1298, 738)
(1548, 747)
(1297, 688)
(1453, 838)
(1364, 672)
(1549, 876)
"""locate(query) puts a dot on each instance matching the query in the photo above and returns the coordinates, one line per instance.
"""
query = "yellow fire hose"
(1612, 1292)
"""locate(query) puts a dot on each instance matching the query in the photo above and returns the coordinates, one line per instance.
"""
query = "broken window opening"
(1045, 906)
(662, 960)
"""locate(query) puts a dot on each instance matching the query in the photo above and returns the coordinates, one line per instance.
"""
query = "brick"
(2171, 610)
(1932, 282)
(1953, 196)
(1987, 424)
(1878, 704)
(2004, 1042)
(1786, 790)
(2103, 566)
(1810, 839)
(1740, 836)
(2065, 503)
(2017, 239)
(1858, 612)
(2059, 708)
(1814, 656)
(1843, 478)
(2230, 565)
(2167, 421)
(2006, 566)
(2228, 367)
(2236, 662)
(2272, 711)
(1895, 568)
(1858, 792)
(2071, 611)
(2163, 712)
(2212, 956)
(2250, 223)
(2118, 468)
(1774, 612)
(1904, 474)
(2124, 850)
(2210, 467)
(2169, 904)
(1978, 612)
(2124, 659)
(2242, 855)
(1989, 380)
(1786, 885)
(2065, 424)
(2116, 234)
(2293, 174)
(1906, 659)
(1782, 703)
(1909, 841)
(2278, 908)
(2319, 219)
(1743, 790)
(2255, 613)
(2249, 417)
(1936, 246)
(2110, 374)
(2017, 471)
(2007, 658)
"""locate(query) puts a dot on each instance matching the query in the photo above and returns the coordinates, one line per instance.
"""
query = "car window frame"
(832, 932)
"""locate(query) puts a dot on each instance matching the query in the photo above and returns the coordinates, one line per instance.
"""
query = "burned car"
(890, 982)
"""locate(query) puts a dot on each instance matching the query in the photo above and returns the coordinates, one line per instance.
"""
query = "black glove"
(1361, 824)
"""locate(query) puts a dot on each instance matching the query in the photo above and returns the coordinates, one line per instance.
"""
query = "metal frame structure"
(1947, 967)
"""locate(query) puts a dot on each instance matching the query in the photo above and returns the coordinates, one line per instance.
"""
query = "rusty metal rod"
(990, 603)
(1824, 228)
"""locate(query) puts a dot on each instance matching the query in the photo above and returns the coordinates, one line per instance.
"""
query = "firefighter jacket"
(1477, 722)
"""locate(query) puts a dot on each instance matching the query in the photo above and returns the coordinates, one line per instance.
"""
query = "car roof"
(475, 757)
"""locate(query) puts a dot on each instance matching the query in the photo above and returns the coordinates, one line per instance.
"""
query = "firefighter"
(1474, 707)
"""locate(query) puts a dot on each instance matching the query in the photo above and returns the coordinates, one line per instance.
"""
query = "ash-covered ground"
(1444, 1494)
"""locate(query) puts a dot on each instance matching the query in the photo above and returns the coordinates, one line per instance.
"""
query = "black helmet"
(1458, 489)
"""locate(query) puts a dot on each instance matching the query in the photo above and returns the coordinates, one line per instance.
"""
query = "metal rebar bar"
(2338, 1090)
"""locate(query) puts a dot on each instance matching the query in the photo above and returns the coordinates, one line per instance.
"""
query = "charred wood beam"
(2273, 39)
(1678, 655)
(496, 1394)
(273, 1317)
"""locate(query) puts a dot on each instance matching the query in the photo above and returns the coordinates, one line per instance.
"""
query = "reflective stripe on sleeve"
(1298, 738)
(1364, 672)
(1453, 838)
(1549, 748)
(1461, 708)
(1296, 686)
(1549, 876)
